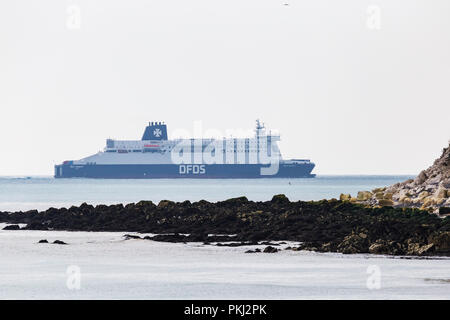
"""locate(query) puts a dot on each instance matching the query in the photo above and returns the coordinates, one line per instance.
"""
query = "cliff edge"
(430, 190)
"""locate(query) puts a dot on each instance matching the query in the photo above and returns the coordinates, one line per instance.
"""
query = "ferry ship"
(155, 156)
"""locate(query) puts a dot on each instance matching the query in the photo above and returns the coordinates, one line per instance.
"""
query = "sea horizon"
(43, 192)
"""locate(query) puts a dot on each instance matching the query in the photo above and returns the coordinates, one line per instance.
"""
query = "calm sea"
(111, 268)
(25, 193)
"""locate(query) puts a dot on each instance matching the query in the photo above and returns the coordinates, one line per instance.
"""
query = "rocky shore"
(429, 191)
(327, 225)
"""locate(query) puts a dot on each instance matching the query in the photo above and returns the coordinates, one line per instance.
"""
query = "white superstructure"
(161, 151)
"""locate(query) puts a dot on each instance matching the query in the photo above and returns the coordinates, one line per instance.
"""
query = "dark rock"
(145, 204)
(198, 237)
(444, 210)
(220, 238)
(280, 199)
(131, 236)
(356, 242)
(165, 204)
(86, 207)
(258, 235)
(386, 247)
(270, 249)
(234, 202)
(236, 244)
(169, 237)
(325, 226)
(441, 242)
(331, 246)
(12, 227)
(43, 241)
(59, 242)
(426, 249)
(311, 246)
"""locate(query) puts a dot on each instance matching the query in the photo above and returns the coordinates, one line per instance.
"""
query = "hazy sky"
(359, 87)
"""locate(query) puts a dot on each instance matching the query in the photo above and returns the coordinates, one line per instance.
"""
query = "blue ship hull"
(164, 171)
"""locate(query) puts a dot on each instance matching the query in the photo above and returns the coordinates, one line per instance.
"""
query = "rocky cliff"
(430, 190)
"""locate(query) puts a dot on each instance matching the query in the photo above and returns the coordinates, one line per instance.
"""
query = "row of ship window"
(124, 151)
(158, 150)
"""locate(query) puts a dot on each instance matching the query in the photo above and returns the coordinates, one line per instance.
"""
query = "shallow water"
(18, 193)
(112, 268)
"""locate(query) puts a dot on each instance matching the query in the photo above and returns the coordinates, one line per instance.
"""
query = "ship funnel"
(155, 131)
